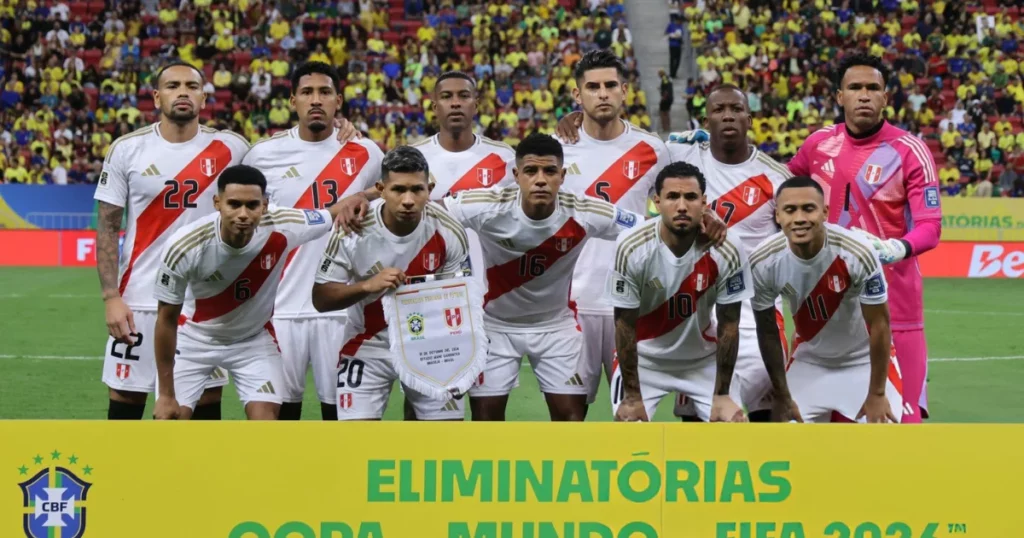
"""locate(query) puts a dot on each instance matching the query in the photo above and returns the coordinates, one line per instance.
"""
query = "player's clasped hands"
(388, 279)
(877, 410)
(723, 409)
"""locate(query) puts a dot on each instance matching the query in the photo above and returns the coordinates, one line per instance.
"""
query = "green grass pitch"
(53, 335)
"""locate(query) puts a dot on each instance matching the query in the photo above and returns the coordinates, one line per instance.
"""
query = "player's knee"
(209, 411)
(128, 397)
(211, 395)
(291, 411)
(567, 408)
(262, 410)
(119, 410)
(488, 408)
(327, 411)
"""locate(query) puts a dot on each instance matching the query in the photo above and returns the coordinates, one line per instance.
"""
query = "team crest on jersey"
(267, 261)
(702, 281)
(123, 371)
(54, 499)
(873, 174)
(631, 169)
(208, 167)
(345, 400)
(348, 166)
(836, 284)
(431, 261)
(453, 318)
(485, 176)
(563, 244)
(751, 195)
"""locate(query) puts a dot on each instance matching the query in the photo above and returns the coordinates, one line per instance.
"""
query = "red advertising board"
(974, 260)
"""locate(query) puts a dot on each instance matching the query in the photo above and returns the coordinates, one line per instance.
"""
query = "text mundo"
(586, 481)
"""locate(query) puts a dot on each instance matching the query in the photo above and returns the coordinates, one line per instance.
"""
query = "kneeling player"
(402, 236)
(834, 283)
(664, 285)
(230, 264)
(531, 236)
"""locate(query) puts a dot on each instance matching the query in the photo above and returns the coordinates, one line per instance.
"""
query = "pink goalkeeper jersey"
(884, 184)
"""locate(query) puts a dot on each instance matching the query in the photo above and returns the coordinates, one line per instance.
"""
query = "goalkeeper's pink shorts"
(913, 353)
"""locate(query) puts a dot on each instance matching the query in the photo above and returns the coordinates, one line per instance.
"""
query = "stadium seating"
(945, 70)
(389, 53)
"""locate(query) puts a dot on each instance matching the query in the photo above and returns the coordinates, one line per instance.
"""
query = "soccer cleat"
(695, 136)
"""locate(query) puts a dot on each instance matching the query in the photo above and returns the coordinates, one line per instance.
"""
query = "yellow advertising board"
(983, 219)
(515, 480)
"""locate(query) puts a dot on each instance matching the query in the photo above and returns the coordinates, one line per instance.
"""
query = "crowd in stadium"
(955, 82)
(75, 78)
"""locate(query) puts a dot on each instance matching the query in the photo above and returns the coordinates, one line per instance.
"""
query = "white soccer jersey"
(824, 293)
(228, 293)
(676, 296)
(530, 262)
(620, 171)
(310, 175)
(438, 245)
(163, 186)
(485, 164)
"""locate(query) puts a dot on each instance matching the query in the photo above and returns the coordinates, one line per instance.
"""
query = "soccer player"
(741, 183)
(216, 285)
(668, 286)
(834, 284)
(531, 236)
(458, 159)
(162, 174)
(882, 180)
(614, 161)
(307, 168)
(403, 235)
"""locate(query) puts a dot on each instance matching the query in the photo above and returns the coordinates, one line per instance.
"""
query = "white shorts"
(133, 368)
(554, 356)
(598, 350)
(305, 342)
(821, 392)
(364, 387)
(255, 365)
(694, 380)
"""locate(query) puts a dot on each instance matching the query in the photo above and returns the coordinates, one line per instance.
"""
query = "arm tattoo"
(107, 230)
(625, 346)
(771, 349)
(728, 345)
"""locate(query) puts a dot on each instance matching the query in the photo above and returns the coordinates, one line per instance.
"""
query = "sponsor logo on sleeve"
(735, 284)
(624, 218)
(875, 286)
(620, 287)
(313, 217)
(103, 179)
(931, 197)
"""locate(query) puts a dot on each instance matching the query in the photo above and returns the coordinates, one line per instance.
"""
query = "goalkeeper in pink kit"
(882, 180)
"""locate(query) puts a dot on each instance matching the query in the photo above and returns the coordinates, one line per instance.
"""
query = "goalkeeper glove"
(689, 137)
(888, 250)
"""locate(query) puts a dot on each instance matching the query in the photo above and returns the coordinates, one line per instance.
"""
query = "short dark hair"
(242, 174)
(176, 63)
(314, 68)
(541, 145)
(729, 87)
(599, 59)
(858, 58)
(404, 159)
(679, 170)
(800, 182)
(448, 75)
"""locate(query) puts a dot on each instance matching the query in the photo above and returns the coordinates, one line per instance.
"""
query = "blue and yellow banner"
(49, 207)
(982, 219)
(514, 480)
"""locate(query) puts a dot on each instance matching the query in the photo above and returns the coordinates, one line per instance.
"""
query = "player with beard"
(163, 175)
(307, 168)
(458, 158)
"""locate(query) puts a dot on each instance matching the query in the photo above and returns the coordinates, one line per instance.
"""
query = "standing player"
(666, 286)
(458, 159)
(307, 168)
(404, 235)
(531, 236)
(225, 269)
(616, 162)
(161, 174)
(881, 179)
(834, 284)
(741, 184)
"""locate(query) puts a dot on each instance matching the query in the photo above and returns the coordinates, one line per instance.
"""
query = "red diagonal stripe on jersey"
(156, 219)
(657, 322)
(508, 276)
(623, 173)
(740, 202)
(486, 173)
(827, 294)
(255, 273)
(429, 259)
(331, 183)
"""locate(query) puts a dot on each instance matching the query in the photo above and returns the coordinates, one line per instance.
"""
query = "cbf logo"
(54, 499)
(415, 324)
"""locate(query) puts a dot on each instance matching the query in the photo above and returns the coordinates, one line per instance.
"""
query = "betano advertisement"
(983, 219)
(514, 480)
